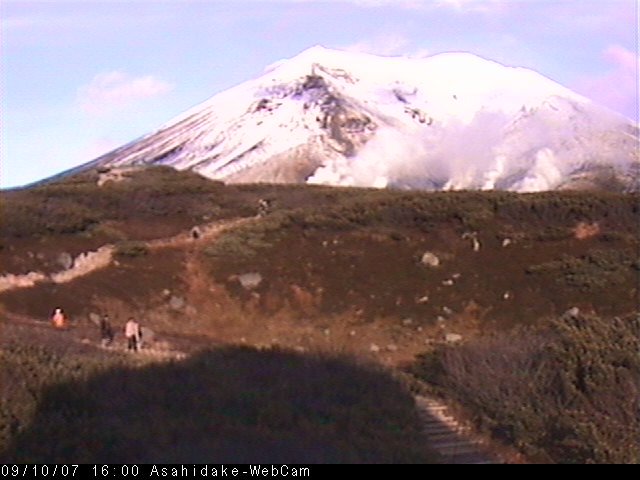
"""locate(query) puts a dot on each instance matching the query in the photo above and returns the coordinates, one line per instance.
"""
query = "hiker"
(106, 332)
(196, 233)
(263, 207)
(58, 319)
(132, 332)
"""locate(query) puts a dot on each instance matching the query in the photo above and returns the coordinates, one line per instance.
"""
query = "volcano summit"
(449, 121)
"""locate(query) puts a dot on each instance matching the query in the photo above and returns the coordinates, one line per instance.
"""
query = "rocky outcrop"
(84, 263)
(11, 281)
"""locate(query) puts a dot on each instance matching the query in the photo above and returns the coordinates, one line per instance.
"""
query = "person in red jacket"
(58, 319)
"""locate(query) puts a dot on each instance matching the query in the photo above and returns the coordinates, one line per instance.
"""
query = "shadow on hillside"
(228, 405)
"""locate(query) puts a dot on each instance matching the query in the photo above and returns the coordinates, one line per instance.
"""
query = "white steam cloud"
(492, 151)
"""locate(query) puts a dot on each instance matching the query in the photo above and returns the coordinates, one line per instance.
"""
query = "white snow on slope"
(452, 120)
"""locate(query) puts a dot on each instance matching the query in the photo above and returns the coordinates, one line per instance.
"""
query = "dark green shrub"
(234, 405)
(565, 392)
(593, 271)
(131, 249)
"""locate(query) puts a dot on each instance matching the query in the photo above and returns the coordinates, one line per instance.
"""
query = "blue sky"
(79, 78)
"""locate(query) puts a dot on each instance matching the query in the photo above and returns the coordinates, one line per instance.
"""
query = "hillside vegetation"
(565, 391)
(228, 405)
(546, 283)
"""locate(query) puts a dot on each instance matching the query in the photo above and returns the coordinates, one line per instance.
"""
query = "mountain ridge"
(450, 121)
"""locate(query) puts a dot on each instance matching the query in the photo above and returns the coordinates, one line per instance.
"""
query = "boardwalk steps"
(447, 436)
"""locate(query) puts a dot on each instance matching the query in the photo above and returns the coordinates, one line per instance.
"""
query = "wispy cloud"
(387, 44)
(114, 90)
(480, 6)
(616, 88)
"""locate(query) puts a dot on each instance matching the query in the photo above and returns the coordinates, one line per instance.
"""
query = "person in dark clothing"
(106, 331)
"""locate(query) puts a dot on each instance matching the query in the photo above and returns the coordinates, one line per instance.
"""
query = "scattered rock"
(452, 338)
(506, 295)
(506, 242)
(473, 236)
(166, 293)
(573, 312)
(423, 299)
(392, 347)
(249, 281)
(447, 283)
(430, 259)
(374, 348)
(447, 311)
(94, 318)
(65, 260)
(176, 303)
(407, 322)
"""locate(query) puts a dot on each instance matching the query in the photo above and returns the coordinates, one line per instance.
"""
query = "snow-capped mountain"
(453, 120)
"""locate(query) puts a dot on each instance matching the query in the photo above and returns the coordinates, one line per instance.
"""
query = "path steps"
(447, 436)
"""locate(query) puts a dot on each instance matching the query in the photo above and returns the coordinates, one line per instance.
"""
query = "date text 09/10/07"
(38, 470)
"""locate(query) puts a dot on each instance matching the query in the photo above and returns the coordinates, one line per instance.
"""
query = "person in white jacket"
(132, 333)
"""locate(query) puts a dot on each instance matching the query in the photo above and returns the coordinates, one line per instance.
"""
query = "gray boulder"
(430, 259)
(249, 281)
(452, 338)
(65, 260)
(176, 303)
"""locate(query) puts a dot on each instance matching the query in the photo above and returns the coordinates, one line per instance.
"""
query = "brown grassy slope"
(63, 401)
(339, 267)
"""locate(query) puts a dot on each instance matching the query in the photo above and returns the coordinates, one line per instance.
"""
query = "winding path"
(89, 262)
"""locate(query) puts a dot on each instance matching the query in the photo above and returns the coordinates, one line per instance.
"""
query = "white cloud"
(616, 88)
(480, 6)
(114, 90)
(380, 45)
(388, 44)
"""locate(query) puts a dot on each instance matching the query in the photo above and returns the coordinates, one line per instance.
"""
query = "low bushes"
(600, 268)
(228, 405)
(565, 392)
